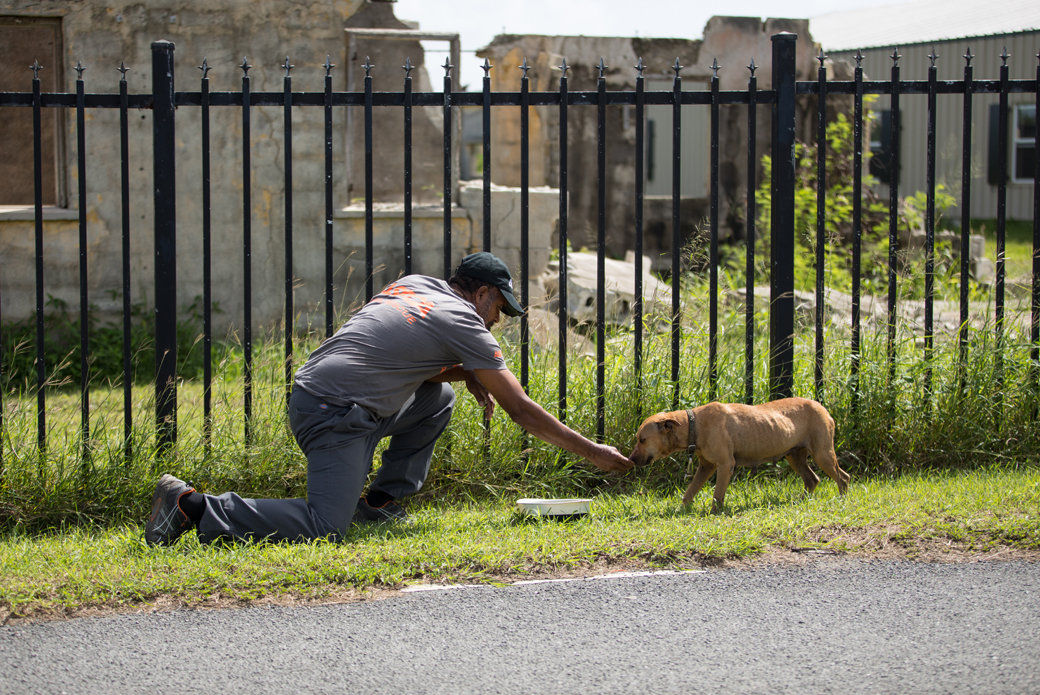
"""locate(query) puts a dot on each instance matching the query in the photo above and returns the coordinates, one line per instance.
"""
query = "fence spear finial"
(486, 67)
(368, 67)
(123, 70)
(1004, 56)
(447, 66)
(36, 67)
(859, 58)
(677, 67)
(932, 57)
(640, 67)
(752, 67)
(287, 66)
(602, 67)
(245, 67)
(205, 68)
(968, 56)
(407, 67)
(564, 67)
(821, 57)
(895, 56)
(79, 69)
(328, 65)
(525, 67)
(714, 68)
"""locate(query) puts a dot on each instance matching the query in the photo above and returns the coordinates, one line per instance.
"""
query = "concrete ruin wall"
(733, 41)
(221, 31)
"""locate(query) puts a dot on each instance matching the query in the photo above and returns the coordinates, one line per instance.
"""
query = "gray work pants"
(339, 443)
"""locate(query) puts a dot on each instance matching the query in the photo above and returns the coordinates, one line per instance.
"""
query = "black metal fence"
(781, 99)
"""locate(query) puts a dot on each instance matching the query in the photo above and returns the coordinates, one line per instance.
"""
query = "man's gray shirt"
(410, 332)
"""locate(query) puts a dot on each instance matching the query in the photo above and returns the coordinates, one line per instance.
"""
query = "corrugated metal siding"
(877, 65)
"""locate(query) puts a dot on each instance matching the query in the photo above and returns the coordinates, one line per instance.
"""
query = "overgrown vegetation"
(965, 449)
(62, 342)
(893, 424)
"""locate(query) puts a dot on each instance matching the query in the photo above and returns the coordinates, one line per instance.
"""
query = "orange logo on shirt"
(498, 354)
(412, 306)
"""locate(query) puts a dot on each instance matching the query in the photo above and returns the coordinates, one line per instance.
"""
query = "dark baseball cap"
(484, 266)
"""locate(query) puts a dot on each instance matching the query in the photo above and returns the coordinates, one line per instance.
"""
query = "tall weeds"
(883, 425)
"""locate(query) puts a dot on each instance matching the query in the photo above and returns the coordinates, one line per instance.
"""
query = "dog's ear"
(668, 425)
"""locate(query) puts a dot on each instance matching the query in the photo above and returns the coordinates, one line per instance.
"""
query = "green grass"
(954, 462)
(1018, 245)
(76, 568)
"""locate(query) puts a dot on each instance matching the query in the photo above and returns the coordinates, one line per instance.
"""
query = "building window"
(22, 41)
(881, 147)
(1023, 149)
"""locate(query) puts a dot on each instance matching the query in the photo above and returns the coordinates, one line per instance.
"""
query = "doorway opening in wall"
(25, 41)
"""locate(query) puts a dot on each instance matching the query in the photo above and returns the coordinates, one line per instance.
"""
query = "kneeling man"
(383, 374)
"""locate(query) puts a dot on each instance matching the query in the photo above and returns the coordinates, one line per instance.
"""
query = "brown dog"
(726, 435)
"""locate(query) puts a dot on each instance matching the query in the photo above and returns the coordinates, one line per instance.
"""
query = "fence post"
(165, 246)
(781, 307)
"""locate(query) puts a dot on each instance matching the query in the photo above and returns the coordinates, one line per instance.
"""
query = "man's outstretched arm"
(505, 389)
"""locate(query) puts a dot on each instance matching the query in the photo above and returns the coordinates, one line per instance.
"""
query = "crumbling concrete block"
(619, 284)
(543, 211)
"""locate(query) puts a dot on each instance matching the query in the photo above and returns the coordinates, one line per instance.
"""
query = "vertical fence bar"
(407, 166)
(782, 242)
(562, 340)
(124, 184)
(1002, 168)
(84, 307)
(447, 167)
(247, 258)
(486, 201)
(601, 249)
(929, 227)
(857, 229)
(290, 320)
(525, 239)
(821, 221)
(962, 332)
(369, 269)
(41, 362)
(486, 159)
(164, 149)
(749, 256)
(207, 270)
(640, 176)
(713, 253)
(893, 217)
(1035, 322)
(328, 197)
(676, 229)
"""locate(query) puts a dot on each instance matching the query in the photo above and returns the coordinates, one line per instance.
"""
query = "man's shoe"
(389, 512)
(167, 521)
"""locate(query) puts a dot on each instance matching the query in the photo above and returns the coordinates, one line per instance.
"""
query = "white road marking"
(614, 575)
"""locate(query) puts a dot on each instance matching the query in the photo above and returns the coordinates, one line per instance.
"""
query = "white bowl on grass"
(554, 507)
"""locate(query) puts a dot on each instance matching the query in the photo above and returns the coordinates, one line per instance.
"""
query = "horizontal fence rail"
(781, 99)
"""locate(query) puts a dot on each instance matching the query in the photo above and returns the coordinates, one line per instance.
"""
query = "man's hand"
(608, 458)
(482, 395)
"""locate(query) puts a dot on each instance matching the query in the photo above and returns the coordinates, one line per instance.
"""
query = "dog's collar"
(692, 438)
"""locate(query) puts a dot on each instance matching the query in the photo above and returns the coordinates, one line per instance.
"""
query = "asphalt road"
(830, 626)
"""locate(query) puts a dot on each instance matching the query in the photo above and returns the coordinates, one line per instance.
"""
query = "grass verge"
(81, 570)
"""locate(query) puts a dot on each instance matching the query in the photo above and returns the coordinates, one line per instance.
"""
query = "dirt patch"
(874, 544)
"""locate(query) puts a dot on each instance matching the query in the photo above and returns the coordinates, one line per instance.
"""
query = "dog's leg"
(797, 459)
(722, 478)
(704, 471)
(827, 460)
